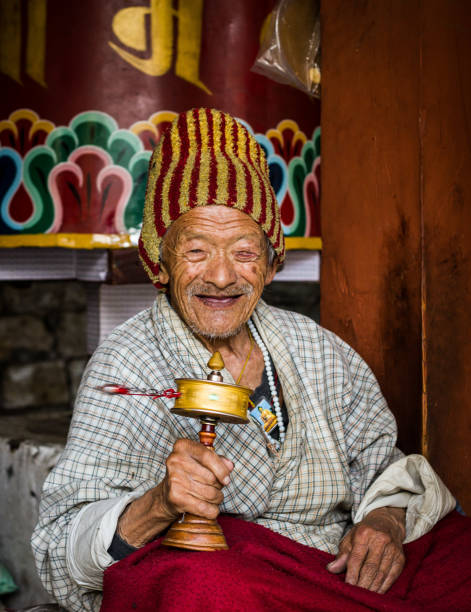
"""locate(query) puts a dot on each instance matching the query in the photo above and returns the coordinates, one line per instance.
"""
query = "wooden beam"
(371, 207)
(446, 152)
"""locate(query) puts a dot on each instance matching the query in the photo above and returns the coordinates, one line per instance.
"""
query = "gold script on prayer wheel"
(223, 401)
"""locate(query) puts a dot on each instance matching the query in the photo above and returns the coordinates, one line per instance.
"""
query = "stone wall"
(43, 333)
(42, 344)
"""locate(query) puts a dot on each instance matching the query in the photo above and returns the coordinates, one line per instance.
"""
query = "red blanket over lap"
(266, 571)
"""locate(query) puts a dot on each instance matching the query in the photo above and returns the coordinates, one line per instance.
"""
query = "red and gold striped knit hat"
(206, 157)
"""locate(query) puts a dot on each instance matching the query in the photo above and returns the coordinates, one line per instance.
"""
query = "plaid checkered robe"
(341, 435)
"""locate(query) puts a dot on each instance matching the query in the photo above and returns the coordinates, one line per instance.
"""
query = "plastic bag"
(290, 45)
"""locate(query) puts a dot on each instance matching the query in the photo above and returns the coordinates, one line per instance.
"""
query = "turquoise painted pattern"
(90, 176)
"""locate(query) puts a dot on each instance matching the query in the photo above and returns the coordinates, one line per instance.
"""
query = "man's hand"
(371, 552)
(193, 482)
(194, 479)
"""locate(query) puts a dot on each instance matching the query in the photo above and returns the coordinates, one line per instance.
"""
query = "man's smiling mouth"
(219, 301)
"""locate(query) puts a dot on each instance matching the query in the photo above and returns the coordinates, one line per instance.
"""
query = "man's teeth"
(220, 298)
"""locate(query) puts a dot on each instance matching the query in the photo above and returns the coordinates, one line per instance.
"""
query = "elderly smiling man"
(212, 237)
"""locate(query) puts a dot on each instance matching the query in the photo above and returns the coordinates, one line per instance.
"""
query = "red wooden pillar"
(446, 168)
(370, 193)
(396, 111)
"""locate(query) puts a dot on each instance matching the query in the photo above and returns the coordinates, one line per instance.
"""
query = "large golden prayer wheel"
(206, 398)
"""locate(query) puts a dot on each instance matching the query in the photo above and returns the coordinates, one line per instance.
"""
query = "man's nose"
(220, 271)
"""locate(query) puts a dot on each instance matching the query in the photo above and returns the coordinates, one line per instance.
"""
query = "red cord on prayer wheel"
(154, 393)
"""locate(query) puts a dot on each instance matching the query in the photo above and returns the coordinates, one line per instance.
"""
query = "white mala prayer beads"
(271, 379)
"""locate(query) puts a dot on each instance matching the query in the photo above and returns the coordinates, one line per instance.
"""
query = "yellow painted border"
(313, 243)
(68, 241)
(116, 241)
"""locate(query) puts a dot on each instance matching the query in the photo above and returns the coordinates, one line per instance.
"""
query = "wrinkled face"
(215, 261)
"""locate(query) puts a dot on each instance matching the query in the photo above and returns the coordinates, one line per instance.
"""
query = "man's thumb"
(339, 564)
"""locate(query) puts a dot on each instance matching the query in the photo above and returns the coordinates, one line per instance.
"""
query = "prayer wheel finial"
(216, 362)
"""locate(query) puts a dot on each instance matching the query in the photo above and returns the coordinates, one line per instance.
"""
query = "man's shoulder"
(296, 322)
(304, 331)
(133, 341)
(133, 330)
(129, 354)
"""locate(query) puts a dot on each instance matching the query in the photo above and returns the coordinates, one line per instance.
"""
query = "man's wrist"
(119, 548)
(390, 518)
(144, 519)
(119, 526)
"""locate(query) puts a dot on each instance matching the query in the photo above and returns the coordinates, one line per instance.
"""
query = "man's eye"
(246, 255)
(195, 254)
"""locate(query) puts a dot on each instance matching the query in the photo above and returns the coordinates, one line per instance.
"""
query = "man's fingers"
(339, 564)
(228, 462)
(372, 561)
(186, 450)
(394, 573)
(197, 506)
(207, 493)
(382, 572)
(373, 550)
(375, 562)
(387, 565)
(194, 479)
(356, 558)
(197, 473)
(196, 498)
(201, 507)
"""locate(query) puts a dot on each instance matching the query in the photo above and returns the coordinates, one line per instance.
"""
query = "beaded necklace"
(271, 379)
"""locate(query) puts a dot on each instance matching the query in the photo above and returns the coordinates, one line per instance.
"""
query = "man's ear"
(271, 272)
(163, 274)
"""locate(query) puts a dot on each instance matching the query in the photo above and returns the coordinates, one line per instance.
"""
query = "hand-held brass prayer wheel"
(212, 397)
(210, 400)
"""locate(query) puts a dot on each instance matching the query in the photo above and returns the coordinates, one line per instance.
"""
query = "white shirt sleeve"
(410, 483)
(91, 533)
